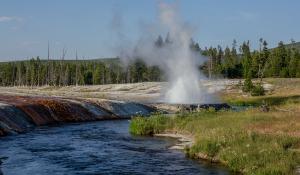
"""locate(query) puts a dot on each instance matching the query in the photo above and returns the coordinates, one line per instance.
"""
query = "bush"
(248, 85)
(258, 90)
(284, 73)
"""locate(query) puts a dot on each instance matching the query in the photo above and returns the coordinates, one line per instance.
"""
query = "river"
(103, 147)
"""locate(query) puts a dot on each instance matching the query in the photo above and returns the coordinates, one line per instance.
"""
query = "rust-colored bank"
(21, 113)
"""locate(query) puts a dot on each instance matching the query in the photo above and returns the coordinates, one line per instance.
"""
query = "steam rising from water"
(174, 57)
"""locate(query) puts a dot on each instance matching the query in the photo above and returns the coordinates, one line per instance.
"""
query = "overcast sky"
(26, 26)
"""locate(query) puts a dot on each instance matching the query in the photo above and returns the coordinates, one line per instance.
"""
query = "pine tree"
(228, 63)
(263, 59)
(159, 42)
(97, 75)
(168, 39)
(67, 76)
(278, 61)
(246, 60)
(247, 71)
(294, 64)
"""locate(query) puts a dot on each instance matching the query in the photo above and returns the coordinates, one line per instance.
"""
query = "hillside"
(294, 45)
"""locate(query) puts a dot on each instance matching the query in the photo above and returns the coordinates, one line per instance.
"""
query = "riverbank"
(22, 113)
(22, 108)
(260, 140)
(257, 140)
(228, 137)
(184, 140)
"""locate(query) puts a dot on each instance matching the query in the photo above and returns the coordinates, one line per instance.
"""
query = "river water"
(103, 147)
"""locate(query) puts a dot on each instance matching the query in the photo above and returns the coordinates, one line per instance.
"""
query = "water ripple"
(103, 147)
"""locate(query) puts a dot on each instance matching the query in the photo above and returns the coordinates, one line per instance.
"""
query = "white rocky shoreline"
(184, 140)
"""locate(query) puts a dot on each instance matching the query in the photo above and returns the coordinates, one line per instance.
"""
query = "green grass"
(227, 136)
(248, 142)
(285, 90)
(148, 126)
(268, 100)
(249, 152)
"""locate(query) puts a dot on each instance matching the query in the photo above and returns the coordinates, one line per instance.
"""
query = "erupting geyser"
(175, 57)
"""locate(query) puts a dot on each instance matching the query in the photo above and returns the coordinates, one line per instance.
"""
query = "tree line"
(231, 62)
(234, 62)
(37, 72)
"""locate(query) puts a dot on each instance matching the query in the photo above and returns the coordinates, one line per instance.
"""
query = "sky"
(92, 27)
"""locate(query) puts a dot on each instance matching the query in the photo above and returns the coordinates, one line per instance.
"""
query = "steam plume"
(175, 57)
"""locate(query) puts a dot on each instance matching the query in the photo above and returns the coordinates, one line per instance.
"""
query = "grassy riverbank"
(250, 141)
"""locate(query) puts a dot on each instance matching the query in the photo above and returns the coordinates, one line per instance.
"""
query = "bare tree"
(210, 66)
(62, 78)
(76, 77)
(48, 66)
(13, 73)
(19, 72)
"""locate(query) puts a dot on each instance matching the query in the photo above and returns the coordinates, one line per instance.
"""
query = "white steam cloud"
(175, 57)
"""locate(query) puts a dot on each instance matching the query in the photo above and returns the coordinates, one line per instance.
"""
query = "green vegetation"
(248, 85)
(227, 137)
(285, 91)
(36, 72)
(293, 44)
(251, 141)
(282, 61)
(148, 126)
(258, 90)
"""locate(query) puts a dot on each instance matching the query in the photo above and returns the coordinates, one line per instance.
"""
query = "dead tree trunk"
(48, 66)
(62, 77)
(76, 76)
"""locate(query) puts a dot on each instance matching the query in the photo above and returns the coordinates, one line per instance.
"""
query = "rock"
(298, 170)
(21, 113)
(264, 108)
(197, 107)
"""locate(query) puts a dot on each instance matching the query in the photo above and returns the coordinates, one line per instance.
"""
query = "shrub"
(258, 90)
(248, 85)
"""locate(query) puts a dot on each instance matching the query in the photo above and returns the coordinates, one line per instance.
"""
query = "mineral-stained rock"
(20, 113)
(126, 109)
